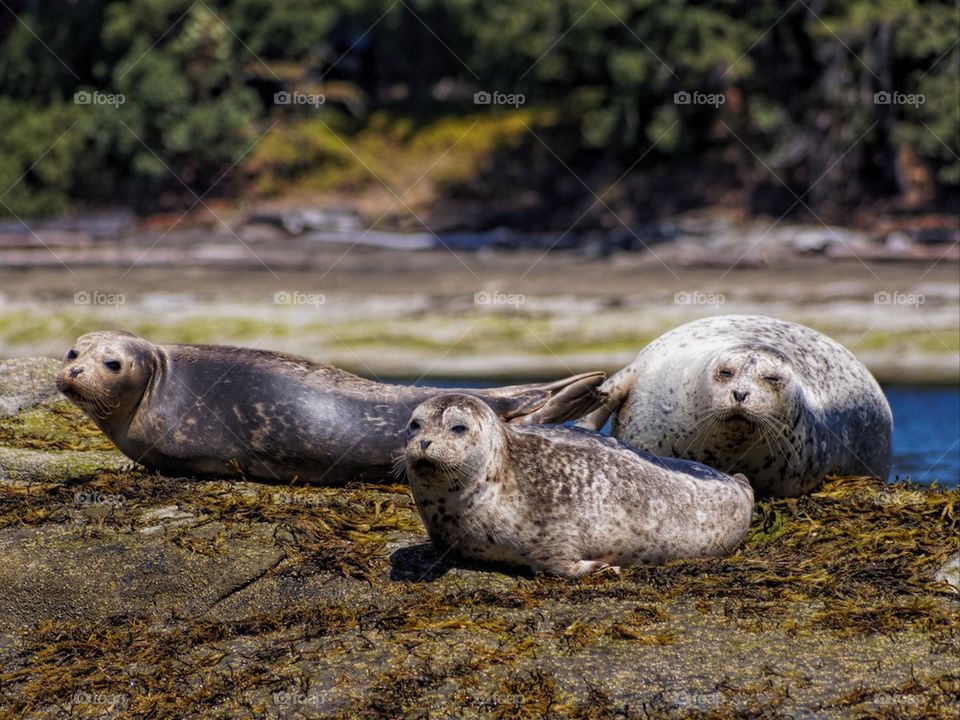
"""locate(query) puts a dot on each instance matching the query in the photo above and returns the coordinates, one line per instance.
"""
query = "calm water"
(926, 435)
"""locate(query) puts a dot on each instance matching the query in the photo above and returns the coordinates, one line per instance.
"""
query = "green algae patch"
(58, 426)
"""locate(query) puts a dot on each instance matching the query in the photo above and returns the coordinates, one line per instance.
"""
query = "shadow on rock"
(419, 563)
(425, 563)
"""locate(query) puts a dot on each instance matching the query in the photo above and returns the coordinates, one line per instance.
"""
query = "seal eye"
(71, 354)
(773, 379)
(458, 429)
(112, 365)
(414, 425)
(725, 374)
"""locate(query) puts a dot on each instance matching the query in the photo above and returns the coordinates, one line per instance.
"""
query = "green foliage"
(38, 155)
(309, 153)
(197, 82)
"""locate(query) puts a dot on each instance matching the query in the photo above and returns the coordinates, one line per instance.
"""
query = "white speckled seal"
(562, 500)
(777, 401)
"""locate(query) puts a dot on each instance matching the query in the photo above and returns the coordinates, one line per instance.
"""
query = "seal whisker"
(399, 466)
(785, 445)
(702, 430)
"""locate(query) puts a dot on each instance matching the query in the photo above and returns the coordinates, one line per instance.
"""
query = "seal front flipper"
(612, 395)
(554, 402)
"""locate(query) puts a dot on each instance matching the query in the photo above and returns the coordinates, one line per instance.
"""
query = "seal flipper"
(612, 395)
(554, 402)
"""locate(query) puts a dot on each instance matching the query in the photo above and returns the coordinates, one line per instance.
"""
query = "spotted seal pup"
(562, 500)
(240, 412)
(779, 402)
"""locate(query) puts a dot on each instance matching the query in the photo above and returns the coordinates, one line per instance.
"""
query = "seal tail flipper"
(612, 394)
(553, 402)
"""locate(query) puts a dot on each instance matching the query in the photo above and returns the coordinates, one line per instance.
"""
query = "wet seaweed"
(849, 563)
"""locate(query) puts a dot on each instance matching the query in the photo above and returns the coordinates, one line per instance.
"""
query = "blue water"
(926, 434)
(926, 430)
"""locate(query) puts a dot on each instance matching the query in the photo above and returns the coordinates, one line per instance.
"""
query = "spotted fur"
(774, 400)
(562, 500)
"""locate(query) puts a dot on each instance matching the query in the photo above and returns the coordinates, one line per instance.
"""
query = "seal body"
(777, 401)
(240, 412)
(562, 500)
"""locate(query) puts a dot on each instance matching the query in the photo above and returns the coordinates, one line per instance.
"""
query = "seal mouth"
(70, 390)
(739, 417)
(73, 393)
(424, 465)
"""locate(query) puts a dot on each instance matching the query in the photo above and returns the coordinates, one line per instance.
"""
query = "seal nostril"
(740, 395)
(424, 444)
(74, 371)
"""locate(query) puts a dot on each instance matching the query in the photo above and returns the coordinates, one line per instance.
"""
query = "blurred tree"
(198, 80)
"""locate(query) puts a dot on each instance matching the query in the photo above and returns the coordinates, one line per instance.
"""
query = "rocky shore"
(295, 238)
(317, 280)
(127, 593)
(454, 330)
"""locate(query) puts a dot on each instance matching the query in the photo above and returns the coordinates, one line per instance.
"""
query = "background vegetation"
(198, 79)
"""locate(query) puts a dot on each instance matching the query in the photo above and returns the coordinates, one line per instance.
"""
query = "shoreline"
(491, 313)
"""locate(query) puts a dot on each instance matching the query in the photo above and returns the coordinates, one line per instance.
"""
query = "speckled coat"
(839, 421)
(570, 501)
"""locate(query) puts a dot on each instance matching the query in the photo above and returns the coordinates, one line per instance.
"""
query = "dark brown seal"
(240, 412)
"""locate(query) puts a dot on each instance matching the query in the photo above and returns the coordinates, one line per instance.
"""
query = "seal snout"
(68, 384)
(419, 456)
(740, 395)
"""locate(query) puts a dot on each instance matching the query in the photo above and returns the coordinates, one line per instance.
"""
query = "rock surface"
(127, 594)
(26, 382)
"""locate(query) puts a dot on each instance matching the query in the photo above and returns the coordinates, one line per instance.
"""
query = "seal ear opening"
(554, 402)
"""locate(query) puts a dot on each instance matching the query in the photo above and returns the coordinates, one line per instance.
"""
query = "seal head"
(453, 440)
(106, 374)
(748, 397)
